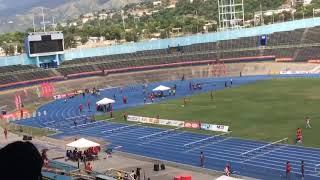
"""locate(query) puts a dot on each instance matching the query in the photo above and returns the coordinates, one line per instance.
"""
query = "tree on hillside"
(69, 41)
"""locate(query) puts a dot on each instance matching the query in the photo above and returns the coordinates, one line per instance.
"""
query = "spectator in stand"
(44, 157)
(20, 160)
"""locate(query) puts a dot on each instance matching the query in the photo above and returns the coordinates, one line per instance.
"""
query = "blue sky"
(12, 7)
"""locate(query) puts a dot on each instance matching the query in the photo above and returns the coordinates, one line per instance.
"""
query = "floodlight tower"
(231, 14)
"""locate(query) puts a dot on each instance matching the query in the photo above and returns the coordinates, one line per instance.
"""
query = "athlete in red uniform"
(299, 135)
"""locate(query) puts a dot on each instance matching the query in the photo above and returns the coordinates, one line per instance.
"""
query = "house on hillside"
(157, 3)
(103, 16)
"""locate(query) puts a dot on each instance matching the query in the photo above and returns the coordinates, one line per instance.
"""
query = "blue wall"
(163, 43)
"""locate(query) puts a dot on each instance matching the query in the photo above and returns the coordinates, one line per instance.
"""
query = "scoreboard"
(44, 44)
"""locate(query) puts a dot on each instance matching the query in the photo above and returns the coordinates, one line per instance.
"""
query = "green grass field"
(267, 110)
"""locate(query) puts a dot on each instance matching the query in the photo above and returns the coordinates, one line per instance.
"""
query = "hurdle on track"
(243, 155)
(85, 124)
(75, 117)
(49, 122)
(158, 133)
(120, 128)
(317, 169)
(205, 139)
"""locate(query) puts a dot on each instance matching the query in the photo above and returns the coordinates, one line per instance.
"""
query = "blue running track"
(267, 164)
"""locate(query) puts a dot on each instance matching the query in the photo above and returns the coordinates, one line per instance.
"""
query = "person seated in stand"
(20, 160)
(45, 158)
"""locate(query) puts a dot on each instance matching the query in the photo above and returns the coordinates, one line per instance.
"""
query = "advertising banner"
(167, 122)
(133, 118)
(149, 120)
(214, 127)
(193, 125)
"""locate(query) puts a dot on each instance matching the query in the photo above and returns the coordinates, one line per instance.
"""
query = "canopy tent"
(105, 101)
(82, 144)
(161, 88)
(227, 178)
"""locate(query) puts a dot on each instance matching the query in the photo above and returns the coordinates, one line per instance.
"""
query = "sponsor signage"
(175, 123)
(148, 120)
(61, 96)
(133, 118)
(193, 125)
(214, 127)
(166, 122)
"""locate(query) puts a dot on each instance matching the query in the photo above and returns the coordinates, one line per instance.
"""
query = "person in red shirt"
(89, 167)
(288, 170)
(80, 108)
(227, 170)
(124, 99)
(299, 135)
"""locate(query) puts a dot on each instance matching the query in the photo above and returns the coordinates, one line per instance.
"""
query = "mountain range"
(18, 15)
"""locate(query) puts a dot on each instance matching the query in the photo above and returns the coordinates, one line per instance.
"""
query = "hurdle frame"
(161, 132)
(123, 127)
(211, 137)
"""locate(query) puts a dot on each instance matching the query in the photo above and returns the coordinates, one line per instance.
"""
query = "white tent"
(105, 101)
(227, 178)
(82, 144)
(161, 88)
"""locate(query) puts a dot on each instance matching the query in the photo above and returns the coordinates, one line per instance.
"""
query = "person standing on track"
(201, 160)
(185, 101)
(124, 99)
(89, 105)
(308, 122)
(288, 170)
(302, 169)
(211, 95)
(80, 108)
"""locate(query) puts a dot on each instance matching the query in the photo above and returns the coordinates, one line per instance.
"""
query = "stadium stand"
(297, 45)
(14, 68)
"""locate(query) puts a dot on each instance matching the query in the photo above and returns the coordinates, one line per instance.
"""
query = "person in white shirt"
(308, 122)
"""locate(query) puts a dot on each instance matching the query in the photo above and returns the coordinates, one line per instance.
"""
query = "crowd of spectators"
(86, 155)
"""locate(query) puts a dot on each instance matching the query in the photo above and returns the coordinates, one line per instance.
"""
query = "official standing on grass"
(201, 160)
(308, 122)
